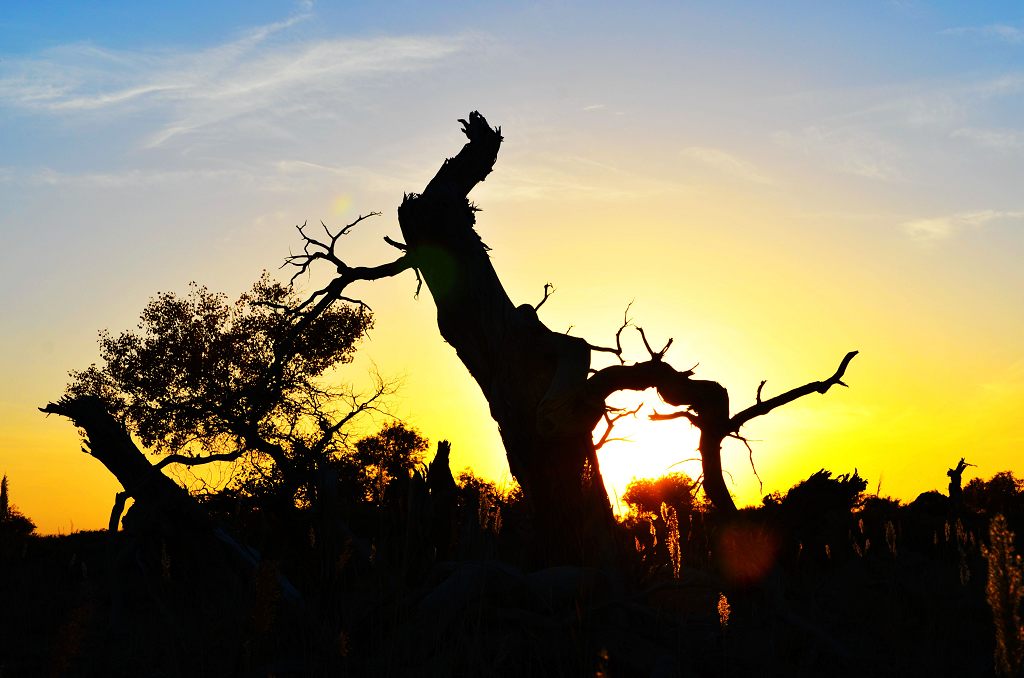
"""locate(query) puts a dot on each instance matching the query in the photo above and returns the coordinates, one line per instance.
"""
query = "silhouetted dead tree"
(542, 393)
(162, 509)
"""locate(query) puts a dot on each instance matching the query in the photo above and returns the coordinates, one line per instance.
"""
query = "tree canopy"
(646, 495)
(203, 378)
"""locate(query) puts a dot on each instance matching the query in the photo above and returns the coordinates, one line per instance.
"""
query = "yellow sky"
(720, 270)
(771, 189)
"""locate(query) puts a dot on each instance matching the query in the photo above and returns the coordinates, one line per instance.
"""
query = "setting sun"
(640, 448)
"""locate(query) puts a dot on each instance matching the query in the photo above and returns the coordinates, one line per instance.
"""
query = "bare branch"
(687, 414)
(759, 388)
(684, 461)
(397, 245)
(751, 451)
(313, 249)
(766, 406)
(189, 460)
(601, 349)
(655, 355)
(549, 289)
(617, 351)
(626, 322)
(381, 390)
(323, 298)
(610, 424)
(419, 282)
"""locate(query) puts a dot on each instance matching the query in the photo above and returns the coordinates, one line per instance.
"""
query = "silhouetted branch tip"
(838, 376)
(419, 283)
(750, 450)
(762, 407)
(610, 423)
(655, 355)
(549, 289)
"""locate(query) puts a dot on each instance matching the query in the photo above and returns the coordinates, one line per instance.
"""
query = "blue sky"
(770, 184)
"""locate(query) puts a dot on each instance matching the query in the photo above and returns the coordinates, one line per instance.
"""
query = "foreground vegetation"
(433, 577)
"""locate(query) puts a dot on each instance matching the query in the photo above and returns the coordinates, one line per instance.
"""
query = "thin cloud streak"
(1000, 32)
(875, 133)
(998, 139)
(726, 163)
(941, 228)
(191, 91)
(272, 175)
(860, 151)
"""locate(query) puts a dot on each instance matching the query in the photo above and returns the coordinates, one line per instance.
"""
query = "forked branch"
(313, 249)
(655, 355)
(326, 250)
(610, 420)
(617, 351)
(549, 289)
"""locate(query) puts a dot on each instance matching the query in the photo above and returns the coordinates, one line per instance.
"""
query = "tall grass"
(1004, 591)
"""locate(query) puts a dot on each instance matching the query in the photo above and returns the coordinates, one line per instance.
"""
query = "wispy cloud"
(264, 73)
(851, 149)
(726, 163)
(1001, 32)
(879, 132)
(998, 139)
(570, 177)
(941, 228)
(271, 175)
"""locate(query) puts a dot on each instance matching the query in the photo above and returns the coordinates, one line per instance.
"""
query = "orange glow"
(640, 448)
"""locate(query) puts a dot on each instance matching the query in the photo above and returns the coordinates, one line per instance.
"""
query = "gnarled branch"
(765, 406)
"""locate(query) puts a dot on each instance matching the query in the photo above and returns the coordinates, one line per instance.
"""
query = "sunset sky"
(770, 187)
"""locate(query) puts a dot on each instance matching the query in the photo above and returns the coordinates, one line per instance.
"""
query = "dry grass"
(1004, 591)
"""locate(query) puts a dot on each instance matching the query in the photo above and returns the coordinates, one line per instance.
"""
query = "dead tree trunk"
(162, 509)
(538, 383)
(532, 377)
(109, 442)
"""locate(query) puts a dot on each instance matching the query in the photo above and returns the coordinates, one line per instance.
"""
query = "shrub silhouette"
(14, 526)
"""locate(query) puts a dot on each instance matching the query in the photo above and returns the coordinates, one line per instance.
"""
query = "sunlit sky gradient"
(772, 187)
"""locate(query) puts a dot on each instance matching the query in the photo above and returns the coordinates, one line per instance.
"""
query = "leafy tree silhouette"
(1003, 493)
(390, 455)
(204, 379)
(646, 495)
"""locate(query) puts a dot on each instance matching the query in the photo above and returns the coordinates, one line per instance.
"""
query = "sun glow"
(640, 448)
(341, 205)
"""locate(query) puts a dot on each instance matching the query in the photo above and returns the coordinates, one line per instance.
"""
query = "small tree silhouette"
(13, 524)
(387, 456)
